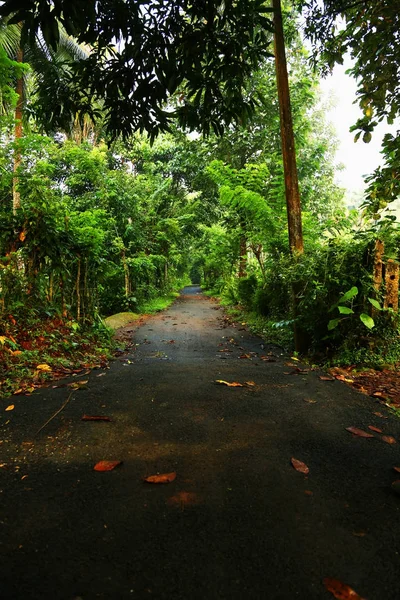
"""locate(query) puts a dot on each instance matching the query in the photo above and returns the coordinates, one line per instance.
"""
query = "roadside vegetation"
(100, 217)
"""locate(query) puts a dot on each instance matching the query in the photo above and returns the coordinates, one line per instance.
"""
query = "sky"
(358, 158)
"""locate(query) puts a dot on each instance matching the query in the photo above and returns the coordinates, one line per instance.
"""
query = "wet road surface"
(239, 522)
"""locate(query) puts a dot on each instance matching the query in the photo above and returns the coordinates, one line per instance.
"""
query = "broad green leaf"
(375, 303)
(345, 310)
(367, 320)
(333, 323)
(349, 294)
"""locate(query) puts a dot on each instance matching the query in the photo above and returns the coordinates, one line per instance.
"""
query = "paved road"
(239, 522)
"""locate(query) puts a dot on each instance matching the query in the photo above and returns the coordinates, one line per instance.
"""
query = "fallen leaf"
(22, 236)
(251, 383)
(163, 478)
(388, 439)
(245, 356)
(308, 493)
(75, 385)
(43, 367)
(397, 469)
(294, 358)
(107, 465)
(233, 384)
(396, 486)
(310, 401)
(10, 407)
(359, 533)
(340, 590)
(95, 418)
(326, 378)
(378, 414)
(359, 432)
(373, 428)
(300, 466)
(183, 499)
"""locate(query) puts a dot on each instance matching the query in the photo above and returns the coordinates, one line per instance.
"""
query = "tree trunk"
(243, 256)
(290, 167)
(18, 134)
(287, 136)
(392, 285)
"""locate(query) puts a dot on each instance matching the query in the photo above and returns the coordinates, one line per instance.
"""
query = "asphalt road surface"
(239, 521)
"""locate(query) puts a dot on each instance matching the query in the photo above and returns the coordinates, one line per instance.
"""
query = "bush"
(246, 287)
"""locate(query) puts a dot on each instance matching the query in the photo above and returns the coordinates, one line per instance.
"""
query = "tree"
(368, 30)
(143, 52)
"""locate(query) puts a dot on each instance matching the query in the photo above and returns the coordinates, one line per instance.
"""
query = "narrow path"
(239, 522)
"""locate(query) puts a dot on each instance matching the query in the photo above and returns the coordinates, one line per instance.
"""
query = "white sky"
(358, 158)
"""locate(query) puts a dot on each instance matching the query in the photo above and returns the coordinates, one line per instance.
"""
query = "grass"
(158, 304)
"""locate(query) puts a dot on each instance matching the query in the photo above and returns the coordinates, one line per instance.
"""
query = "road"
(239, 522)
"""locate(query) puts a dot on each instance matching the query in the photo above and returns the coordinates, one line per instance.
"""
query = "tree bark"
(18, 134)
(289, 166)
(287, 136)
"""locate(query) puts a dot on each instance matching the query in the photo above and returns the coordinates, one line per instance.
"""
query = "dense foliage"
(103, 226)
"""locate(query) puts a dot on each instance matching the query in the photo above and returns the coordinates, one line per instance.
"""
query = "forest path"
(239, 522)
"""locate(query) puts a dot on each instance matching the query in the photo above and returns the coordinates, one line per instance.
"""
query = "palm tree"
(50, 78)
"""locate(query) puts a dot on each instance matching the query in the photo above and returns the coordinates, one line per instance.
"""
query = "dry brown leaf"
(396, 486)
(397, 469)
(359, 432)
(340, 590)
(310, 401)
(326, 378)
(233, 384)
(22, 236)
(245, 356)
(183, 499)
(378, 414)
(10, 407)
(95, 418)
(373, 428)
(300, 466)
(250, 383)
(389, 439)
(107, 465)
(162, 478)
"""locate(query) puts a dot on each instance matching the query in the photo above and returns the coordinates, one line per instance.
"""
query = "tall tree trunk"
(287, 136)
(289, 166)
(243, 256)
(18, 134)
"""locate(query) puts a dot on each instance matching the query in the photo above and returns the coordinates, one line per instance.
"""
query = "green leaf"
(333, 323)
(345, 310)
(349, 294)
(375, 303)
(367, 320)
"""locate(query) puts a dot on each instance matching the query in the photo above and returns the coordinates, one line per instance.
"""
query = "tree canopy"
(143, 52)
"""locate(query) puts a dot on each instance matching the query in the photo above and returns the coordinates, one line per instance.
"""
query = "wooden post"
(392, 285)
(289, 166)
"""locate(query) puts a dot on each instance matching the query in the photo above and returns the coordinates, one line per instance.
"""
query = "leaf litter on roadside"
(107, 465)
(299, 466)
(376, 429)
(161, 478)
(389, 439)
(340, 590)
(229, 384)
(359, 432)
